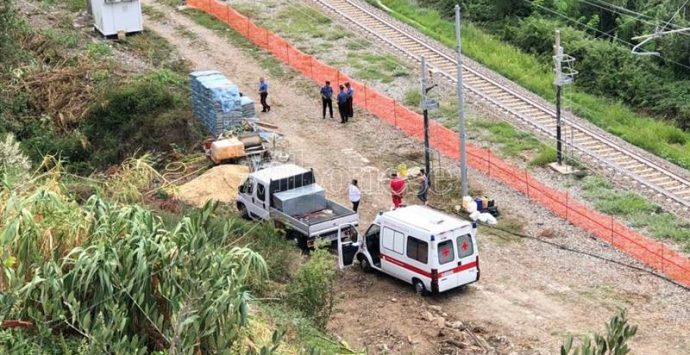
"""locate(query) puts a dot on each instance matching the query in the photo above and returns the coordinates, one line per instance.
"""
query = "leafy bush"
(117, 278)
(148, 114)
(312, 289)
(618, 333)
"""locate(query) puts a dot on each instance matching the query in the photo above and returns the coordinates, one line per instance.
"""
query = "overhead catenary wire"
(625, 11)
(631, 45)
(674, 15)
(637, 17)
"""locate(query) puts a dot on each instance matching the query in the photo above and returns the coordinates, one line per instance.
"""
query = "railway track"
(588, 144)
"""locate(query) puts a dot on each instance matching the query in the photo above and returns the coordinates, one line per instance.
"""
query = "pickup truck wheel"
(364, 264)
(419, 287)
(243, 211)
(302, 243)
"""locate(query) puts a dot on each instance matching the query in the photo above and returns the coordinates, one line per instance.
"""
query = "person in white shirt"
(354, 194)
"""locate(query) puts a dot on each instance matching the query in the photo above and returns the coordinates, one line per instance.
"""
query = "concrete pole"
(559, 57)
(461, 106)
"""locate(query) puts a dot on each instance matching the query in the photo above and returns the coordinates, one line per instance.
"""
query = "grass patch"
(156, 51)
(63, 37)
(639, 212)
(669, 141)
(267, 61)
(511, 141)
(412, 98)
(71, 5)
(544, 157)
(98, 50)
(303, 330)
(152, 12)
(185, 33)
(302, 23)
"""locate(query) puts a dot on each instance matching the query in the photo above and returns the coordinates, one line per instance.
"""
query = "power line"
(674, 15)
(622, 13)
(631, 45)
(628, 11)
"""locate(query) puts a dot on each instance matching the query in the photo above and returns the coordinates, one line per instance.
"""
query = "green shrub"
(412, 98)
(544, 157)
(312, 289)
(117, 278)
(615, 342)
(148, 114)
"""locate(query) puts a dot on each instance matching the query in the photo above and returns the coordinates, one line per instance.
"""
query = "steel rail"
(503, 89)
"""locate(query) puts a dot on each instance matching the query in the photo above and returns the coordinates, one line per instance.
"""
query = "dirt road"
(531, 295)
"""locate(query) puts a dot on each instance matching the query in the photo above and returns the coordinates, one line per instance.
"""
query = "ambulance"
(431, 250)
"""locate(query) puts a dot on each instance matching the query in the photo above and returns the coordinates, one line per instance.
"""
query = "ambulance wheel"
(419, 287)
(364, 264)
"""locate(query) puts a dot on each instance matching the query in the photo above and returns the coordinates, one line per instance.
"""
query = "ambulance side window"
(417, 250)
(393, 240)
(446, 253)
(465, 247)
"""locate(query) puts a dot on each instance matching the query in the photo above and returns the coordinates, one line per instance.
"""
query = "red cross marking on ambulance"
(465, 246)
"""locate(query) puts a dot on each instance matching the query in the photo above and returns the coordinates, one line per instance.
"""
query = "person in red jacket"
(397, 190)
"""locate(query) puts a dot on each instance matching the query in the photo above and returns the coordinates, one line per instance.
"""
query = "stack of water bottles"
(217, 103)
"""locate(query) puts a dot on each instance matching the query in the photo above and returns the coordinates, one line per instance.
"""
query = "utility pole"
(461, 106)
(425, 108)
(565, 73)
(558, 55)
(427, 105)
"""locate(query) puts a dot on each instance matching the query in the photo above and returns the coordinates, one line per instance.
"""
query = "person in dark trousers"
(350, 97)
(354, 194)
(342, 104)
(327, 99)
(263, 93)
(423, 192)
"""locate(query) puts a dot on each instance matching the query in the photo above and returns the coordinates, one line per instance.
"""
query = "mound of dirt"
(219, 183)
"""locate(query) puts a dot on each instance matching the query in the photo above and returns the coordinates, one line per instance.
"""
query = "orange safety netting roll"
(648, 251)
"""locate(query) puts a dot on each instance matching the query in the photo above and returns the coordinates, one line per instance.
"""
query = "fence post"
(267, 45)
(662, 259)
(227, 13)
(489, 162)
(338, 78)
(567, 197)
(311, 67)
(527, 183)
(395, 115)
(287, 52)
(611, 230)
(208, 6)
(247, 30)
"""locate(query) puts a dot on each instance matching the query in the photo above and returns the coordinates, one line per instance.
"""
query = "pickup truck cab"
(431, 250)
(288, 195)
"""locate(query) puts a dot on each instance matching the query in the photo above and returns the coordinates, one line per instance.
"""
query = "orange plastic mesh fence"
(648, 251)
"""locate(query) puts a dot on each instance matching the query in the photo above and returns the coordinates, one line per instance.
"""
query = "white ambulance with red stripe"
(429, 249)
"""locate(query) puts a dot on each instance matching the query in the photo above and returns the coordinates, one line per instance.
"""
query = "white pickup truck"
(288, 195)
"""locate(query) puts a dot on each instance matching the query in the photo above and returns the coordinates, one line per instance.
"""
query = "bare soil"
(531, 295)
